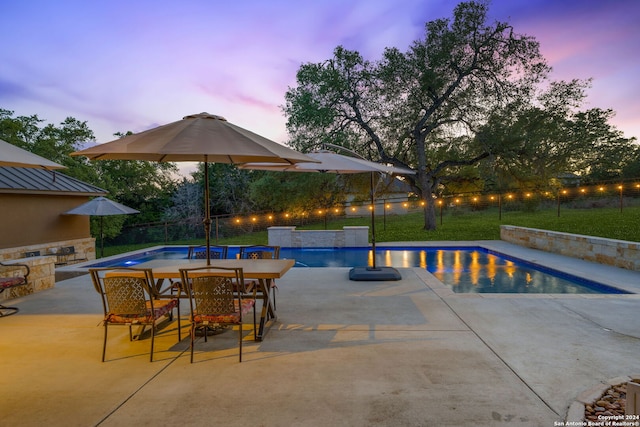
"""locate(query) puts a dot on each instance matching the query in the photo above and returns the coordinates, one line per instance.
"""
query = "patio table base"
(366, 274)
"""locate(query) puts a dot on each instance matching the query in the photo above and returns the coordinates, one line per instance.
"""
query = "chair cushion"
(160, 308)
(247, 304)
(10, 282)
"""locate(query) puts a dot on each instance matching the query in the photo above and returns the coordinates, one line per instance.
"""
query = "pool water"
(464, 269)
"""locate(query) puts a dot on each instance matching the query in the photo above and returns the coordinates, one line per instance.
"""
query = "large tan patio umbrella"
(330, 162)
(14, 156)
(196, 138)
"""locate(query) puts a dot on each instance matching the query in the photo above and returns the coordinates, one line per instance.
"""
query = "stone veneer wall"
(85, 248)
(41, 277)
(618, 253)
(42, 268)
(289, 237)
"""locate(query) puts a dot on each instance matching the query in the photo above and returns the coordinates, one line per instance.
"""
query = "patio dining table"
(262, 270)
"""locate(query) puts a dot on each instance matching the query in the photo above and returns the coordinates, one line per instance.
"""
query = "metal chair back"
(217, 297)
(200, 252)
(129, 298)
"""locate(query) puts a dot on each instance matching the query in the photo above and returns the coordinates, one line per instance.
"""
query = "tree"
(229, 188)
(632, 167)
(295, 192)
(186, 201)
(145, 186)
(537, 140)
(418, 109)
(55, 143)
(608, 154)
(186, 208)
(20, 131)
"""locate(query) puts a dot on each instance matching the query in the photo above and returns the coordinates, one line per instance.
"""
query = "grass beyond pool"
(464, 269)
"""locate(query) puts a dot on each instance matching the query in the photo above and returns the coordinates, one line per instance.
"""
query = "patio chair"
(200, 252)
(214, 301)
(129, 299)
(12, 276)
(261, 252)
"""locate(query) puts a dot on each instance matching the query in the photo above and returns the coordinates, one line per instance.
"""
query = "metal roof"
(41, 181)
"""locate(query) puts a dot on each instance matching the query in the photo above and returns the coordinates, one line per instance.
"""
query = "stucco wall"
(619, 253)
(32, 219)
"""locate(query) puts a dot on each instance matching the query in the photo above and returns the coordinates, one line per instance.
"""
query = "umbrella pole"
(373, 224)
(101, 239)
(207, 216)
(374, 273)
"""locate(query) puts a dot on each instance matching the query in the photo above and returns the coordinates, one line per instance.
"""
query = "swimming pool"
(465, 269)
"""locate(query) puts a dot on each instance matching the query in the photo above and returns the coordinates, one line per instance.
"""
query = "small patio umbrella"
(330, 162)
(14, 156)
(101, 206)
(196, 138)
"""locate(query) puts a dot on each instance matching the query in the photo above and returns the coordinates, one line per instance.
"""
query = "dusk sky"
(131, 65)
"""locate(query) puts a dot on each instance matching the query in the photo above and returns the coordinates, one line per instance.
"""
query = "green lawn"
(469, 225)
(485, 225)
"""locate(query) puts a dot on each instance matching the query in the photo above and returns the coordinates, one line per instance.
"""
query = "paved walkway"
(342, 353)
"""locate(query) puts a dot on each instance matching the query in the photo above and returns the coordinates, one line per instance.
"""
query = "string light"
(460, 200)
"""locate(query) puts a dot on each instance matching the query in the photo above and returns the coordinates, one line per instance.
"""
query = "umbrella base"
(374, 274)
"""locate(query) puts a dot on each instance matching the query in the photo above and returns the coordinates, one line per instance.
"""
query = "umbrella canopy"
(13, 156)
(330, 162)
(196, 138)
(101, 206)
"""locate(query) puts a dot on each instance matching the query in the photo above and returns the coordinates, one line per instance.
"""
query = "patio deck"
(342, 353)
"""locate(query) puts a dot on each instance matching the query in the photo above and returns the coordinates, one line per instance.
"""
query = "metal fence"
(223, 226)
(605, 195)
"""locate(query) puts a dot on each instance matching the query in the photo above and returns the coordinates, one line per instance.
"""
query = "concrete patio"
(342, 353)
